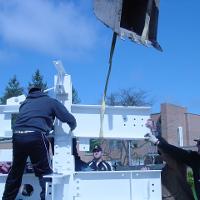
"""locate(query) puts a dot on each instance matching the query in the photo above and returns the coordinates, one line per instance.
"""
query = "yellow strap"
(145, 31)
(103, 109)
(103, 105)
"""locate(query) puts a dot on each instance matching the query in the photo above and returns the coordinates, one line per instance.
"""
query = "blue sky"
(33, 33)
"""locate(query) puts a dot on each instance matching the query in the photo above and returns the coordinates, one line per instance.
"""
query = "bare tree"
(129, 97)
(126, 97)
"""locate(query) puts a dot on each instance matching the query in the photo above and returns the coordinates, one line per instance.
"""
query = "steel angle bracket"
(59, 89)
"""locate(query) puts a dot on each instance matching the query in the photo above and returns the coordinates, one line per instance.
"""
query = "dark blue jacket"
(38, 111)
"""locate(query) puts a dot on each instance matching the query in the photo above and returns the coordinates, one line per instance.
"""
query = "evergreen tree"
(75, 98)
(13, 89)
(37, 80)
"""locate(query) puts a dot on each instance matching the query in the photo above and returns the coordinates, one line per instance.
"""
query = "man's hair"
(34, 88)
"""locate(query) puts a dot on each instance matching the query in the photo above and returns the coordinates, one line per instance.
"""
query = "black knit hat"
(34, 88)
(97, 148)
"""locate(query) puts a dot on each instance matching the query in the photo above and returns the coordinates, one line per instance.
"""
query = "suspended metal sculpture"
(135, 19)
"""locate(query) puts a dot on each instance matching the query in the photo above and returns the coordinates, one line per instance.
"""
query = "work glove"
(151, 138)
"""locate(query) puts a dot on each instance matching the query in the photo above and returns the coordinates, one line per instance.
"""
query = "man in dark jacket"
(80, 165)
(98, 164)
(189, 158)
(174, 178)
(34, 121)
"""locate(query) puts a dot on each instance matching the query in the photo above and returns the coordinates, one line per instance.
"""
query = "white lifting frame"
(119, 123)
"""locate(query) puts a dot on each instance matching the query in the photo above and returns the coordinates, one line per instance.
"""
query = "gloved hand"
(151, 138)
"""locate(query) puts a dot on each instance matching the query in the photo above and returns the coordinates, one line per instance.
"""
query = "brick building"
(176, 125)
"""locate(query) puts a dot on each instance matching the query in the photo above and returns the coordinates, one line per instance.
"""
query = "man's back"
(38, 112)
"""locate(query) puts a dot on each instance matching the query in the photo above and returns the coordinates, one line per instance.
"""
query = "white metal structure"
(180, 135)
(66, 183)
